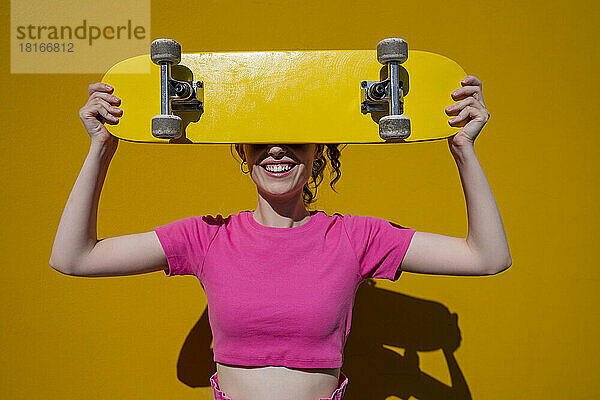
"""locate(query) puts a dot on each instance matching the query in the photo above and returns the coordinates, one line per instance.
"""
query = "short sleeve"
(379, 245)
(185, 243)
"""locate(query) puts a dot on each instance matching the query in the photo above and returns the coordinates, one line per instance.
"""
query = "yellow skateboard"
(323, 96)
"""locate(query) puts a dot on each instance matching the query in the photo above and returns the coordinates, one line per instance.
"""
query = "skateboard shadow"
(379, 317)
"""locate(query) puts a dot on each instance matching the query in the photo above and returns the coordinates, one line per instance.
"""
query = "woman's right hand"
(100, 108)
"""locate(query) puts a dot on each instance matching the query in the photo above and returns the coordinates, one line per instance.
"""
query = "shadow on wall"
(374, 372)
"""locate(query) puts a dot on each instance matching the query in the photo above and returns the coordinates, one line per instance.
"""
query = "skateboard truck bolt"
(379, 96)
(376, 96)
(378, 90)
(181, 90)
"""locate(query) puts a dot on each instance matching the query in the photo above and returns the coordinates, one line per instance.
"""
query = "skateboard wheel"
(392, 49)
(168, 50)
(166, 126)
(394, 127)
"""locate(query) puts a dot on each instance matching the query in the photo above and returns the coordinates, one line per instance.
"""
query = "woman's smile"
(279, 170)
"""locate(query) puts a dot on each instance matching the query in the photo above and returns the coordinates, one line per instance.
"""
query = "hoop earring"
(241, 167)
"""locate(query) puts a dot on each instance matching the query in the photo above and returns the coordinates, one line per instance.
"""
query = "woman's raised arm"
(485, 249)
(76, 249)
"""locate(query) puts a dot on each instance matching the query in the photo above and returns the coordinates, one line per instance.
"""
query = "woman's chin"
(282, 193)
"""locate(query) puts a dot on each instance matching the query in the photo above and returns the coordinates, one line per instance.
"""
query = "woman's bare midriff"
(241, 382)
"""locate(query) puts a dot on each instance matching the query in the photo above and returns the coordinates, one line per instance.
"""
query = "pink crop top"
(282, 296)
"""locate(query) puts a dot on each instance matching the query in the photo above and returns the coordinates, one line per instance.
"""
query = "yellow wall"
(527, 333)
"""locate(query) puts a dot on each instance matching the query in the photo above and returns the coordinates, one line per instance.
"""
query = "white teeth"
(278, 168)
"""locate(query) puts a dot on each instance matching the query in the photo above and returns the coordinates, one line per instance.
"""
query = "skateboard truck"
(175, 95)
(378, 96)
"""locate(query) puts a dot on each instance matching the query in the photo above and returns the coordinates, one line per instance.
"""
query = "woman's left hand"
(470, 113)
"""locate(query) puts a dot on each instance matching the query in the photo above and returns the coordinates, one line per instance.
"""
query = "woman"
(280, 280)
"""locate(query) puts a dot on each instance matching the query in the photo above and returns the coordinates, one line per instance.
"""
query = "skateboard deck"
(285, 96)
